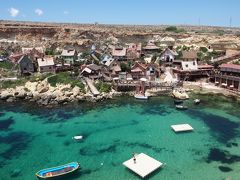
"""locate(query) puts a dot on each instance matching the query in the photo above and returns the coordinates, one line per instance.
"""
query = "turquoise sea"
(34, 138)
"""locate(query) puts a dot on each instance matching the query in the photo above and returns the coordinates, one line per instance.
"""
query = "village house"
(190, 70)
(134, 51)
(189, 55)
(113, 67)
(46, 64)
(69, 56)
(187, 68)
(92, 71)
(34, 53)
(149, 71)
(168, 56)
(25, 65)
(151, 48)
(228, 76)
(26, 50)
(119, 53)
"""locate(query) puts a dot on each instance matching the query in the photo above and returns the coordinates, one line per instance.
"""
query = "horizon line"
(110, 24)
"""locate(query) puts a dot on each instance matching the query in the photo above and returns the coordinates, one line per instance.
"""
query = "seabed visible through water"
(34, 138)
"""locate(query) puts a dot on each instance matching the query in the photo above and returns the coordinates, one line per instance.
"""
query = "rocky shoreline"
(45, 95)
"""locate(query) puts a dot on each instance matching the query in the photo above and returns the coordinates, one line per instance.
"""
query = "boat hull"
(58, 172)
(141, 97)
(181, 107)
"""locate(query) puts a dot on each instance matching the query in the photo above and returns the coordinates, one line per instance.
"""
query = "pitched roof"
(116, 68)
(133, 46)
(170, 51)
(189, 54)
(46, 61)
(119, 52)
(24, 56)
(110, 62)
(151, 46)
(230, 66)
(205, 66)
(94, 67)
(137, 69)
(140, 65)
(69, 52)
(27, 50)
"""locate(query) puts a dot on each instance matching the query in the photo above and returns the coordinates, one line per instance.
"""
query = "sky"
(146, 12)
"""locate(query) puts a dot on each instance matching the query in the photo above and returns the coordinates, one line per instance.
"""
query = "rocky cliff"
(82, 35)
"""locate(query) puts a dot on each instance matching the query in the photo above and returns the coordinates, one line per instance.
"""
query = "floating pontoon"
(143, 165)
(182, 127)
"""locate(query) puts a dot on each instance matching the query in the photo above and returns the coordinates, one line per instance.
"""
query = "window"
(194, 63)
(50, 67)
(186, 65)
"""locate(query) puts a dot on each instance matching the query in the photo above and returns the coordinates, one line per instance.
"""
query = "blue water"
(33, 138)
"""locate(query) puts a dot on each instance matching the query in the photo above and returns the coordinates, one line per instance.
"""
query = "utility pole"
(230, 22)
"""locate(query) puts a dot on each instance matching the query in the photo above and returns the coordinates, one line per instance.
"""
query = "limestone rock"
(6, 94)
(76, 91)
(10, 99)
(32, 86)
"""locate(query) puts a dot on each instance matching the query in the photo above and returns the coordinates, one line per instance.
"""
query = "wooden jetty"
(93, 89)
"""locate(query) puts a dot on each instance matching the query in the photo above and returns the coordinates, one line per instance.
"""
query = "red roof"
(119, 52)
(205, 66)
(231, 66)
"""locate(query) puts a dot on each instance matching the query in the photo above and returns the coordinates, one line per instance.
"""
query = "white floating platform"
(182, 127)
(144, 165)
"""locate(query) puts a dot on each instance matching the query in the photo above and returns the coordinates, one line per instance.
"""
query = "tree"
(200, 55)
(124, 67)
(171, 29)
(203, 49)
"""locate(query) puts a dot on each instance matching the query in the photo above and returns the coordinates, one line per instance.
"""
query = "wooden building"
(134, 51)
(168, 56)
(149, 71)
(119, 53)
(25, 65)
(69, 56)
(151, 48)
(46, 64)
(92, 71)
(228, 76)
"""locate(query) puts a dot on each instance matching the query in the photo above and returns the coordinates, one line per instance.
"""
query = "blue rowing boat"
(58, 171)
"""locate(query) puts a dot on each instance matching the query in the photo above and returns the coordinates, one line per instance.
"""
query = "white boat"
(181, 107)
(78, 137)
(197, 101)
(180, 94)
(141, 96)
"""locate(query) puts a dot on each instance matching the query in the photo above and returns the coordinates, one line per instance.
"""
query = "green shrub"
(6, 65)
(124, 67)
(103, 87)
(174, 29)
(171, 28)
(65, 78)
(203, 49)
(13, 84)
